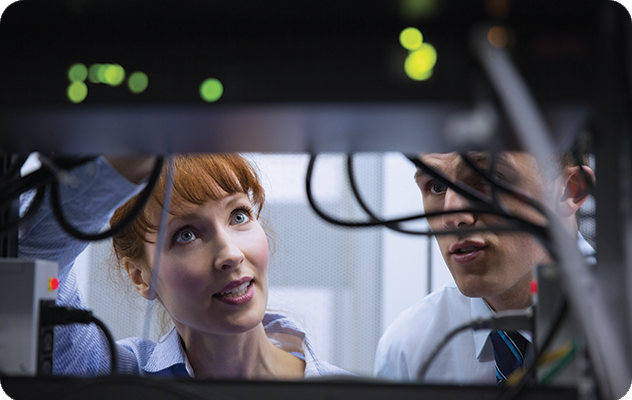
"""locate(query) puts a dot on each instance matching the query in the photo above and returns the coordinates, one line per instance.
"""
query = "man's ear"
(575, 183)
(139, 277)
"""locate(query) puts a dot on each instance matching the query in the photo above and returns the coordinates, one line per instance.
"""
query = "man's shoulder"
(447, 296)
(415, 332)
(433, 312)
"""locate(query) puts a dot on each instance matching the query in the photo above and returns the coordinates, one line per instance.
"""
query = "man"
(492, 270)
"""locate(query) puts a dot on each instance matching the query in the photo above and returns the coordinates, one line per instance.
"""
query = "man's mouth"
(235, 292)
(468, 249)
(467, 246)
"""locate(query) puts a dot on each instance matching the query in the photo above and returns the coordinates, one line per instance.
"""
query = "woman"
(211, 274)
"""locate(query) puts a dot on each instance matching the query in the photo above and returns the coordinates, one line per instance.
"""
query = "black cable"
(111, 344)
(492, 179)
(539, 231)
(13, 189)
(62, 315)
(513, 391)
(356, 192)
(38, 199)
(433, 354)
(472, 195)
(497, 183)
(492, 167)
(509, 321)
(522, 224)
(491, 207)
(14, 168)
(364, 206)
(38, 180)
(143, 198)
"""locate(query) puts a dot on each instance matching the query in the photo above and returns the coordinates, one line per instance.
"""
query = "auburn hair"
(197, 178)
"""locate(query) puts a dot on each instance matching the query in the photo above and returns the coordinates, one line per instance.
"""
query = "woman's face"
(212, 277)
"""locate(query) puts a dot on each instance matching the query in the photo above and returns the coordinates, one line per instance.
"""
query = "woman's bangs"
(201, 178)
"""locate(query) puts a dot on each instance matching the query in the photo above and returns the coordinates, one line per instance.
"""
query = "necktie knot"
(510, 350)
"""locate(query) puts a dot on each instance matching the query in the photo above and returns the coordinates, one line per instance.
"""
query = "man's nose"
(454, 201)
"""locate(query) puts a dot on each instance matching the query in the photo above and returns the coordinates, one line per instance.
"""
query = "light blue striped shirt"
(82, 350)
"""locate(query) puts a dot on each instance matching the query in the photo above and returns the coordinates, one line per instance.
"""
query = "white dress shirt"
(468, 358)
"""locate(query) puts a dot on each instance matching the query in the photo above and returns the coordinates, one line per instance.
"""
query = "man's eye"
(482, 185)
(184, 236)
(436, 187)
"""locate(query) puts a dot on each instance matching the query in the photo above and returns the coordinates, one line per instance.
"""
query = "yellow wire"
(546, 358)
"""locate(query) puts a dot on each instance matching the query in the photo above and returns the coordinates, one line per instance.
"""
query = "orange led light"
(498, 36)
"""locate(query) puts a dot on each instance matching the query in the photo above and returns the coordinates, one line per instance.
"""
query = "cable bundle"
(54, 172)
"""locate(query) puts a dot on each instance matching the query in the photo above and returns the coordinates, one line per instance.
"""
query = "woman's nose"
(227, 253)
(454, 201)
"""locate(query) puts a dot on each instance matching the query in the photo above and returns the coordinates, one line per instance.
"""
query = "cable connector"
(56, 315)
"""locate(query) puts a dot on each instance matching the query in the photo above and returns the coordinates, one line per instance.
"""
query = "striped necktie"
(510, 349)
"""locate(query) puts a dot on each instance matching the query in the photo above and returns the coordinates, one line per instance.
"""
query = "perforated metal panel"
(345, 262)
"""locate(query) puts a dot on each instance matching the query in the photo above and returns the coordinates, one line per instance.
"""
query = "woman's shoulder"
(286, 334)
(274, 322)
(164, 357)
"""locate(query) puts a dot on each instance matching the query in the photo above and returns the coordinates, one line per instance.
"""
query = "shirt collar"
(484, 350)
(167, 354)
(586, 249)
(480, 309)
(282, 332)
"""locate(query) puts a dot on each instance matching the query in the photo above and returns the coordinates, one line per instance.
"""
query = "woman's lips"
(238, 295)
(233, 285)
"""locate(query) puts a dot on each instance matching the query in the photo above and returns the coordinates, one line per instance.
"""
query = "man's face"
(493, 265)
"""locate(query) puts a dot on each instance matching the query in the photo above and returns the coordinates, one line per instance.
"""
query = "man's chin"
(475, 289)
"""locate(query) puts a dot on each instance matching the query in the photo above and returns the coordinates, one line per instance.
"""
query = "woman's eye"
(185, 236)
(240, 217)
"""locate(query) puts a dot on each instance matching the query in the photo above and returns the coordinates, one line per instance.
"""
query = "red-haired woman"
(209, 272)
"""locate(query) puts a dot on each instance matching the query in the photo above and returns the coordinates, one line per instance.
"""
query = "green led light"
(422, 76)
(138, 82)
(211, 90)
(77, 92)
(411, 38)
(113, 74)
(93, 73)
(416, 9)
(419, 63)
(78, 73)
(101, 73)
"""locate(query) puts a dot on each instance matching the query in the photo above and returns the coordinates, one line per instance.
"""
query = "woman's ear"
(575, 189)
(140, 279)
